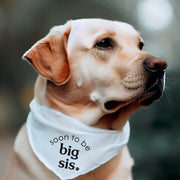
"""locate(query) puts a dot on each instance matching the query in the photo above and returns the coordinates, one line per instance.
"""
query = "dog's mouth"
(154, 87)
(153, 91)
(113, 105)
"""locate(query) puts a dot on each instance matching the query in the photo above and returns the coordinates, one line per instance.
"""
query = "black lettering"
(87, 148)
(51, 142)
(62, 150)
(76, 139)
(83, 144)
(74, 154)
(55, 140)
(61, 164)
(69, 151)
(72, 137)
(71, 165)
(60, 138)
(66, 137)
(67, 162)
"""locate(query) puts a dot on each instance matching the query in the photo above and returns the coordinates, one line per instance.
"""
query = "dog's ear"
(49, 55)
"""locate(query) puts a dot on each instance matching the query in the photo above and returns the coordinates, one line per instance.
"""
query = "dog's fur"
(78, 77)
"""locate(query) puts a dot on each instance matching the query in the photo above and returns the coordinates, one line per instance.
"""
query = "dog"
(96, 71)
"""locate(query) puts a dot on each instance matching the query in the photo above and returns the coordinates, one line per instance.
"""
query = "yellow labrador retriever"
(93, 70)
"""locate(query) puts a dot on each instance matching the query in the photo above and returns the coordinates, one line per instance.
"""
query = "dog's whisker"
(168, 97)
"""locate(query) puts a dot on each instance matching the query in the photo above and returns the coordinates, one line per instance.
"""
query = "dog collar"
(68, 147)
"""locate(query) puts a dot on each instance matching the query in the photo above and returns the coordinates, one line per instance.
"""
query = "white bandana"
(68, 147)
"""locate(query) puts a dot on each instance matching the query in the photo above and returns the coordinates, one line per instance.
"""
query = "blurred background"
(155, 132)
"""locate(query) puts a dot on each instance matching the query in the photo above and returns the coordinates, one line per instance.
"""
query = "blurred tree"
(155, 136)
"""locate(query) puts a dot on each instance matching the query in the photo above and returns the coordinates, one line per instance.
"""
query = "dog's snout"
(154, 64)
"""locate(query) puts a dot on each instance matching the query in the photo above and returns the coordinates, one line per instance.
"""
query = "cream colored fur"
(77, 79)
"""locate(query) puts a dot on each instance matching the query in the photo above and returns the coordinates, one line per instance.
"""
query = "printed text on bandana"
(67, 154)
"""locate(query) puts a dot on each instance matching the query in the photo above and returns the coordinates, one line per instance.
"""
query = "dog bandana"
(68, 147)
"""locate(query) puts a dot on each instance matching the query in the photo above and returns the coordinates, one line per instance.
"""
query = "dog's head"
(101, 62)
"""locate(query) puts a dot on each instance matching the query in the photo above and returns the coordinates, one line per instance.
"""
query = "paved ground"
(6, 145)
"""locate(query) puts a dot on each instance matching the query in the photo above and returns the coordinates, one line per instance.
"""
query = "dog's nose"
(155, 68)
(154, 64)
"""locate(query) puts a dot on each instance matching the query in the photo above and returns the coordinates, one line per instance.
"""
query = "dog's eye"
(141, 45)
(104, 43)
